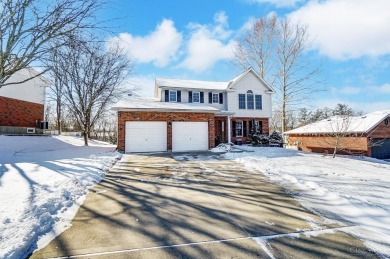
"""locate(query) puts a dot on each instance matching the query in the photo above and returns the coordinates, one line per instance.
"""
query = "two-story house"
(188, 115)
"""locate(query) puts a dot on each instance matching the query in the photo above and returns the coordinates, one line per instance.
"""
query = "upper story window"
(250, 100)
(172, 96)
(215, 97)
(259, 102)
(196, 97)
(241, 101)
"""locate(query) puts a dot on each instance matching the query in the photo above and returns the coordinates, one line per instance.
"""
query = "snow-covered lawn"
(43, 181)
(355, 190)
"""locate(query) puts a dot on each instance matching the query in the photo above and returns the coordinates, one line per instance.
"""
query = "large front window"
(196, 97)
(215, 97)
(239, 129)
(172, 96)
(250, 100)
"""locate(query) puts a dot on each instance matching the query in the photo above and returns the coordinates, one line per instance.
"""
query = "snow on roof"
(154, 104)
(191, 84)
(205, 85)
(250, 70)
(358, 124)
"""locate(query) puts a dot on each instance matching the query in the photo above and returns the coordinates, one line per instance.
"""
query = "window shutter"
(178, 96)
(201, 97)
(261, 127)
(234, 128)
(190, 96)
(167, 95)
(210, 97)
(221, 98)
(244, 128)
(251, 131)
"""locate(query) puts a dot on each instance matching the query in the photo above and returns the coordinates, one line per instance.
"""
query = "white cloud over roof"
(158, 47)
(344, 29)
(206, 45)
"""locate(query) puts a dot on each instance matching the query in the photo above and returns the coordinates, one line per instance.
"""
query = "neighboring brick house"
(363, 135)
(22, 105)
(187, 115)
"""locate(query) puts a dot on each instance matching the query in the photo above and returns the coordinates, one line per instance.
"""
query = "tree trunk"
(85, 133)
(336, 147)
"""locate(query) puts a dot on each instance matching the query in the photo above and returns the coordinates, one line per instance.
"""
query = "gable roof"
(358, 124)
(191, 84)
(207, 85)
(250, 70)
(154, 104)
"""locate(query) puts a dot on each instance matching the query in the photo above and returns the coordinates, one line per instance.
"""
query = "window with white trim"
(215, 97)
(241, 101)
(172, 96)
(239, 128)
(196, 97)
(250, 100)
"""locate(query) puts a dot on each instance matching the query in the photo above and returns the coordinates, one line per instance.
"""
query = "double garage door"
(152, 136)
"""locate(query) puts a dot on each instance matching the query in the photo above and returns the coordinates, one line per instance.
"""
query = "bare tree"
(342, 135)
(277, 48)
(257, 47)
(28, 28)
(295, 76)
(91, 78)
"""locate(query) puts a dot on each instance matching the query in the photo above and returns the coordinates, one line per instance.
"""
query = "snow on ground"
(43, 181)
(354, 190)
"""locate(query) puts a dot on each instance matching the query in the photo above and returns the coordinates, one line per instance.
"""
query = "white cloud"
(206, 44)
(384, 89)
(344, 29)
(278, 3)
(351, 90)
(159, 47)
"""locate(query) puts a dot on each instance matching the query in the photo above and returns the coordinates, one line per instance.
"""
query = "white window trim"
(193, 96)
(212, 97)
(253, 99)
(169, 96)
(242, 129)
(244, 101)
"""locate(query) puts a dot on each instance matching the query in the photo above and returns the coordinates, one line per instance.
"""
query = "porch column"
(228, 130)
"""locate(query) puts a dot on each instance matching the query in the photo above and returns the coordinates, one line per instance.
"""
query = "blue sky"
(194, 40)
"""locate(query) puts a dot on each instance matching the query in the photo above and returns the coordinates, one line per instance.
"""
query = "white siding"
(30, 91)
(184, 98)
(250, 82)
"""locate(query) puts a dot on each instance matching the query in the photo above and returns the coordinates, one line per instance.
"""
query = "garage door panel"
(146, 136)
(190, 136)
(381, 148)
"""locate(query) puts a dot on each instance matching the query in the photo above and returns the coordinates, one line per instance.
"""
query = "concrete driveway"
(196, 206)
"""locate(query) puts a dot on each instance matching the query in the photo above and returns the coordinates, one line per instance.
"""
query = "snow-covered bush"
(260, 139)
(276, 139)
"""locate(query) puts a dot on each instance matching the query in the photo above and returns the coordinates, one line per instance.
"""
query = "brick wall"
(320, 143)
(124, 116)
(246, 120)
(19, 113)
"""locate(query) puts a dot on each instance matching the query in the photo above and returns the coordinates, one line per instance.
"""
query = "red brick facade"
(265, 127)
(19, 113)
(169, 117)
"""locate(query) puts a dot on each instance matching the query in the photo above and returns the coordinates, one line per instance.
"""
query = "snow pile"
(356, 191)
(221, 148)
(43, 181)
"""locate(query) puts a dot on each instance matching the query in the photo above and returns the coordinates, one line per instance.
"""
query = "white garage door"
(190, 136)
(146, 136)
